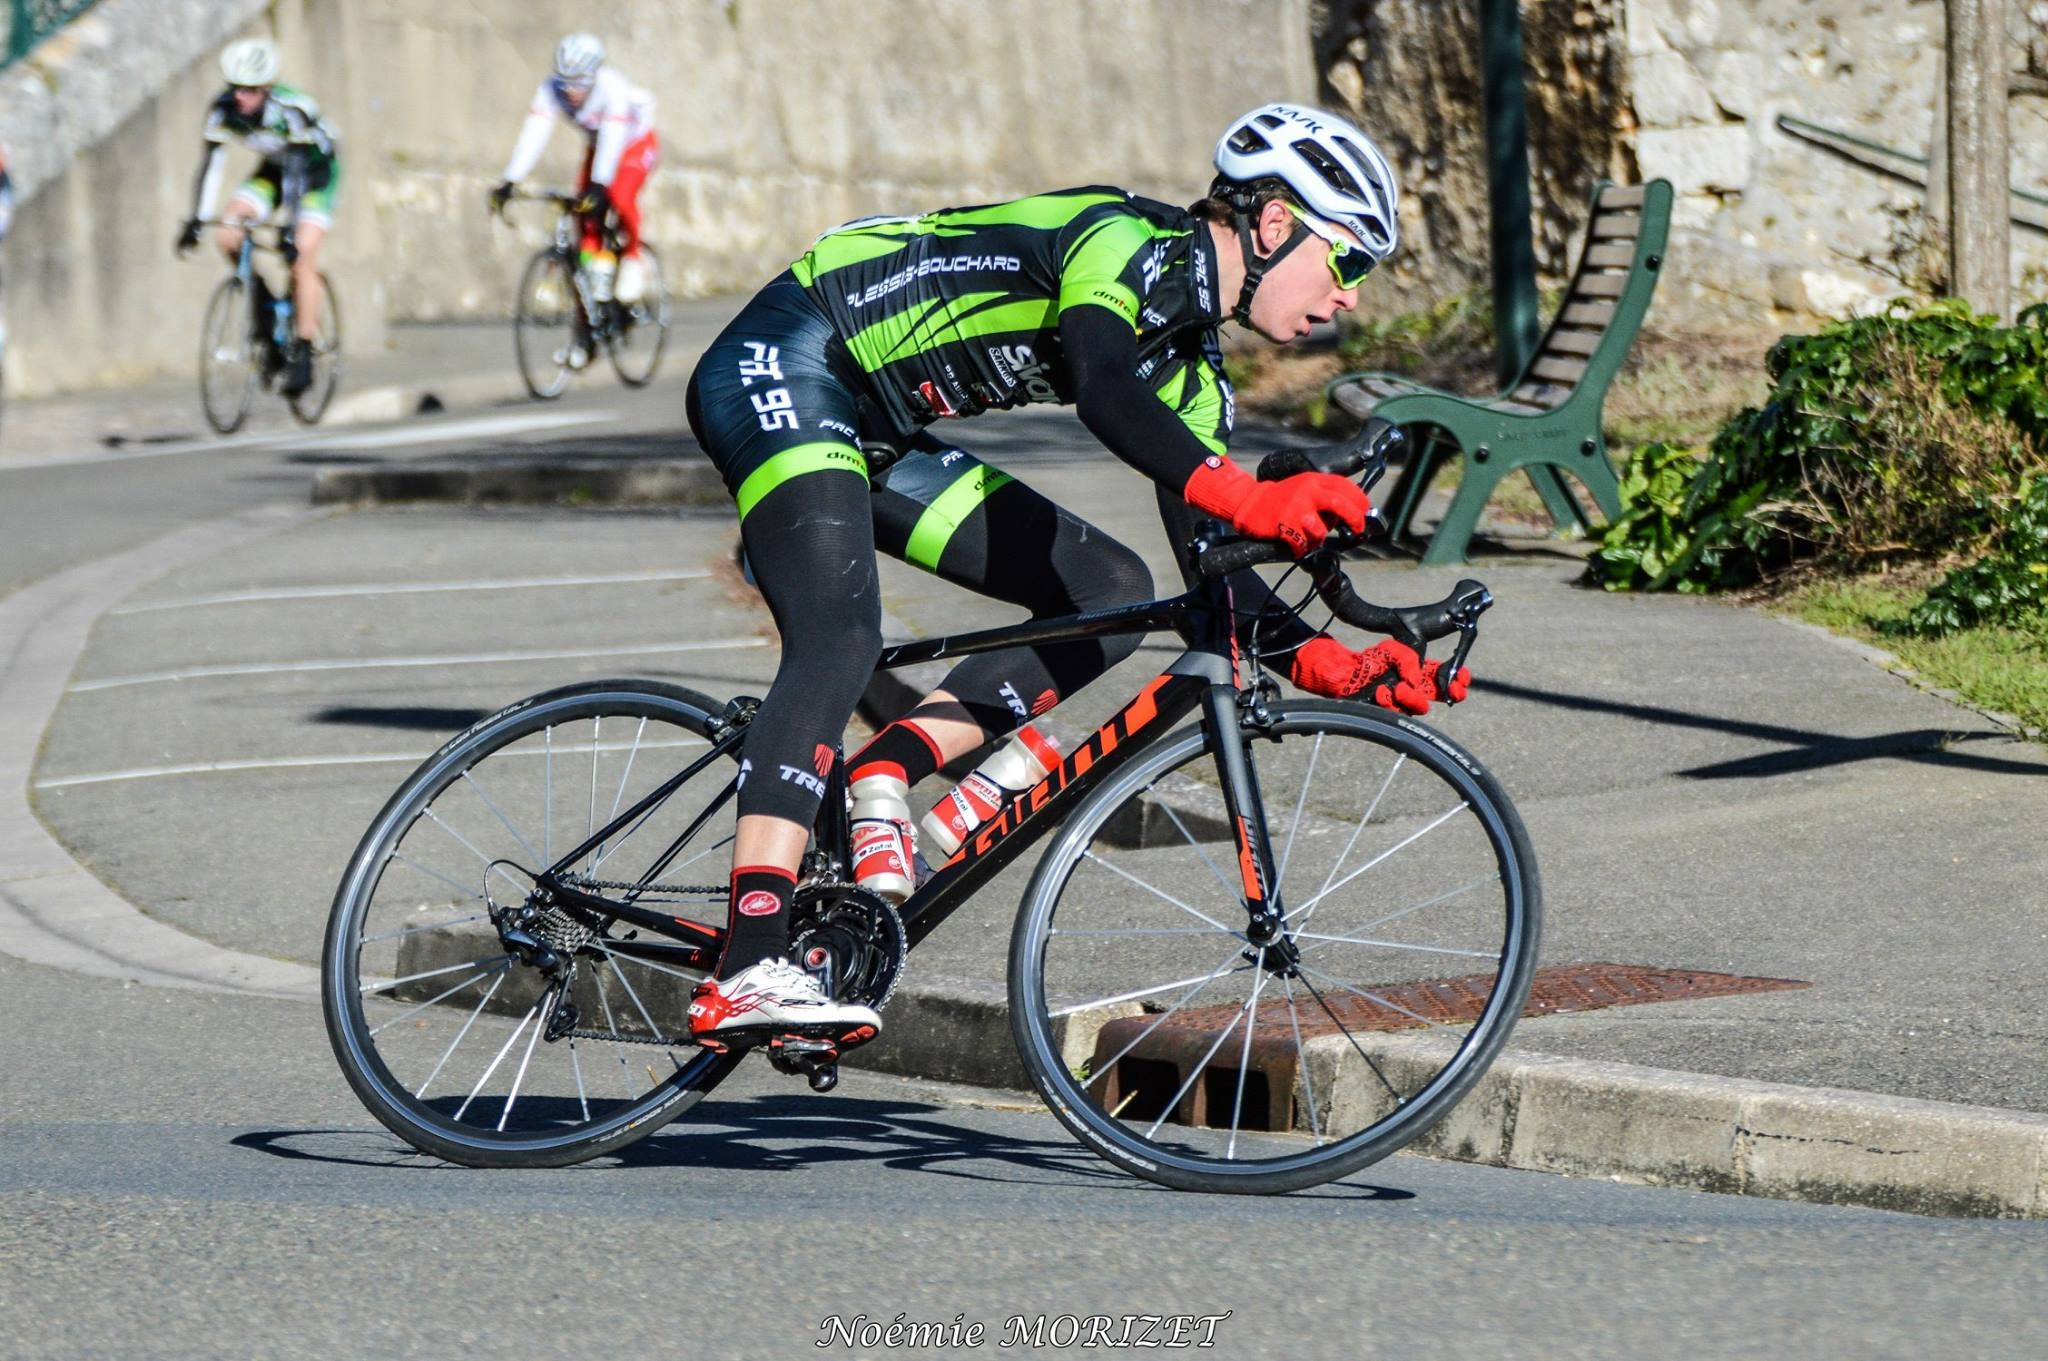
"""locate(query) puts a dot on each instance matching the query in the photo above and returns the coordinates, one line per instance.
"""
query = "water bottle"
(1021, 763)
(601, 266)
(883, 848)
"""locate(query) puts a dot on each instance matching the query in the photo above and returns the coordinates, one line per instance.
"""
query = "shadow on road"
(794, 1134)
(1808, 750)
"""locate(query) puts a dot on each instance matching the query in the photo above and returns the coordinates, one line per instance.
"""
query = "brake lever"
(1465, 614)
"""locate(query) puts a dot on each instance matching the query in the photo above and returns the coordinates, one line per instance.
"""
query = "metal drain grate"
(1147, 1077)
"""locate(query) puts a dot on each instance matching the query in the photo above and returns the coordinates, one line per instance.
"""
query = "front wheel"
(549, 332)
(461, 1044)
(227, 364)
(1185, 1049)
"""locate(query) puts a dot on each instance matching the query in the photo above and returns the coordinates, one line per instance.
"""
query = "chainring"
(852, 939)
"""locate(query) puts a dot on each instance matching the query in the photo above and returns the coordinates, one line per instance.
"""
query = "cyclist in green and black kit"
(819, 405)
(300, 172)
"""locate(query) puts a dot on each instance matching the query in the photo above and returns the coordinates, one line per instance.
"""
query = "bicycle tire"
(1495, 833)
(548, 1134)
(545, 376)
(226, 353)
(310, 405)
(651, 311)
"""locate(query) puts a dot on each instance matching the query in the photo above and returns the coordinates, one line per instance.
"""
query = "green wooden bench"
(1548, 421)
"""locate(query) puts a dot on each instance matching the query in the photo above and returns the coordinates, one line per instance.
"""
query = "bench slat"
(1542, 396)
(1620, 255)
(1586, 314)
(1559, 370)
(1618, 226)
(1621, 196)
(1599, 286)
(1572, 342)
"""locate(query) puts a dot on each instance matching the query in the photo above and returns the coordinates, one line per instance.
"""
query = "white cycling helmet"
(253, 61)
(577, 58)
(1332, 167)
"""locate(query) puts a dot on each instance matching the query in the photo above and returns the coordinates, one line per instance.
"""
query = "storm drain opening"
(1153, 1078)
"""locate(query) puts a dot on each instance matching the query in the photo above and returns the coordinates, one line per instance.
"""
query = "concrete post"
(1979, 159)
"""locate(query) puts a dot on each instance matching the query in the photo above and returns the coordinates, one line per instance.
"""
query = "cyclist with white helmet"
(818, 406)
(298, 176)
(617, 118)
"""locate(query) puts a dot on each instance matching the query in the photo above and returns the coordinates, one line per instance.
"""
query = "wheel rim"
(439, 1028)
(545, 329)
(1159, 1032)
(227, 371)
(637, 345)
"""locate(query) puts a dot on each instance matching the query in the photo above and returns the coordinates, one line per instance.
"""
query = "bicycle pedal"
(802, 1054)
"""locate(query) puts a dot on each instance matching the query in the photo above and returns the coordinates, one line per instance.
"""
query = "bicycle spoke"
(547, 795)
(464, 889)
(1195, 1071)
(368, 988)
(491, 804)
(519, 1078)
(503, 1049)
(506, 963)
(1378, 1000)
(576, 1067)
(1308, 1080)
(1405, 842)
(1462, 889)
(1345, 1030)
(596, 742)
(1244, 1060)
(1294, 829)
(415, 930)
(488, 863)
(1370, 808)
(1188, 836)
(1394, 945)
(611, 1026)
(450, 1051)
(1143, 992)
(619, 797)
(1163, 894)
(1127, 931)
(1185, 998)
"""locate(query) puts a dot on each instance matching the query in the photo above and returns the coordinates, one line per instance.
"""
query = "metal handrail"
(31, 21)
(1842, 143)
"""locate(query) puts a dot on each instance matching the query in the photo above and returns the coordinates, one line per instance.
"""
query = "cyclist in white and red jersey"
(617, 117)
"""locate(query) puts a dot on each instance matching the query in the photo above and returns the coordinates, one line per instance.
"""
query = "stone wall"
(1408, 72)
(778, 119)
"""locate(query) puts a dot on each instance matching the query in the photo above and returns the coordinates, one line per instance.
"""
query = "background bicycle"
(1271, 942)
(247, 333)
(565, 312)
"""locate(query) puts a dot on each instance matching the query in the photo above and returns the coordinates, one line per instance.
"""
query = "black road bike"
(247, 334)
(564, 316)
(1270, 942)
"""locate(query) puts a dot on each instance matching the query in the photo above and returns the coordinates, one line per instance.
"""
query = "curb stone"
(1887, 661)
(594, 482)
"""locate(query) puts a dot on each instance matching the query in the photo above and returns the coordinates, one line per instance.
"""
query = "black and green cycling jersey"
(300, 150)
(958, 311)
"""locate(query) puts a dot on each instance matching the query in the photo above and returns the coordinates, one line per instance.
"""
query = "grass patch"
(1994, 667)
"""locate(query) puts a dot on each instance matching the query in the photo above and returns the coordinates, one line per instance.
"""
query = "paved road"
(187, 1175)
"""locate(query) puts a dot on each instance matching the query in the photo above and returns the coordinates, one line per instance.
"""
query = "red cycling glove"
(1290, 510)
(1390, 673)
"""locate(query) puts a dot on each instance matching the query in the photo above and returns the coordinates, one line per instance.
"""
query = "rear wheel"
(1183, 1049)
(548, 327)
(458, 1044)
(310, 405)
(641, 329)
(227, 367)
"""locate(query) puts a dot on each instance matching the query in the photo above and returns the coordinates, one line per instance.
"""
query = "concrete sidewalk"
(1707, 788)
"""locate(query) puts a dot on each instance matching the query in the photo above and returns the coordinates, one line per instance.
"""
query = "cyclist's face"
(1300, 291)
(574, 92)
(249, 99)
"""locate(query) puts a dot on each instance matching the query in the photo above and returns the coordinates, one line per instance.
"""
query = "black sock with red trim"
(902, 745)
(758, 925)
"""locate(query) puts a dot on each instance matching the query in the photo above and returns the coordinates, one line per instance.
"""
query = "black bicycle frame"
(1204, 678)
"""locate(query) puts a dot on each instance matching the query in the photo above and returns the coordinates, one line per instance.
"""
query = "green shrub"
(2009, 585)
(1900, 435)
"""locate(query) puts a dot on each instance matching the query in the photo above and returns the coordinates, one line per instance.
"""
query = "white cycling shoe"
(773, 998)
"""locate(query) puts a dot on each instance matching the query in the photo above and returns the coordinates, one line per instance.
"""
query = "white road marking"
(411, 436)
(404, 435)
(304, 762)
(409, 588)
(375, 663)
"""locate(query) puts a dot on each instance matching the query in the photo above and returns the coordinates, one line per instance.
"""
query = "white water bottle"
(601, 267)
(1019, 764)
(883, 848)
